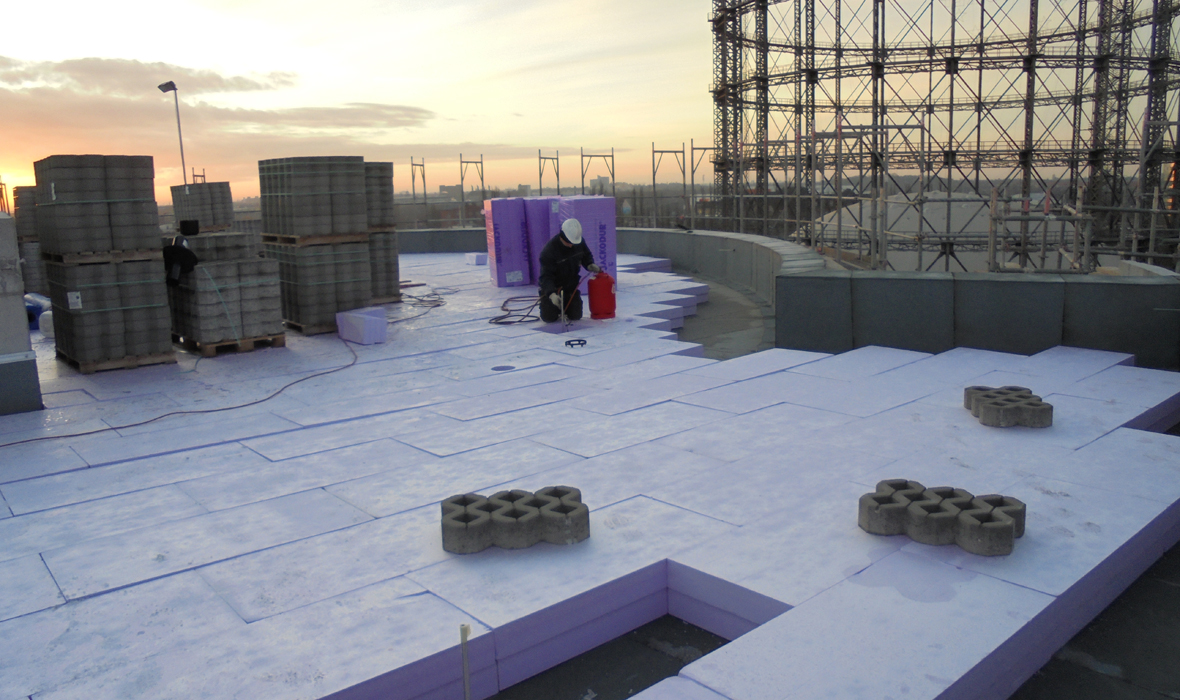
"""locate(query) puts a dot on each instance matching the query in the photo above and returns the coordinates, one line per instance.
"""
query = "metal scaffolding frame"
(867, 111)
(541, 162)
(607, 158)
(483, 193)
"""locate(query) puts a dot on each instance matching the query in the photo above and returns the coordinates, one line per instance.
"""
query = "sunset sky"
(383, 79)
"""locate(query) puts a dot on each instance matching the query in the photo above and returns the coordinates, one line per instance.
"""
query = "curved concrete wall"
(747, 263)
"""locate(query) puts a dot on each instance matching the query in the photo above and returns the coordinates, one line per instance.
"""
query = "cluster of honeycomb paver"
(1006, 406)
(984, 525)
(514, 519)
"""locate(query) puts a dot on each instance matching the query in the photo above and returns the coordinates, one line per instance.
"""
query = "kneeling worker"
(561, 262)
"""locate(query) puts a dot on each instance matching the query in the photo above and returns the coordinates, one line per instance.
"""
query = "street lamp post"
(170, 86)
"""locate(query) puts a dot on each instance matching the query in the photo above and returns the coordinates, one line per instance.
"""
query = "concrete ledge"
(745, 262)
(831, 311)
(448, 240)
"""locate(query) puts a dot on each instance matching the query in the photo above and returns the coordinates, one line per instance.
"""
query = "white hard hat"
(572, 229)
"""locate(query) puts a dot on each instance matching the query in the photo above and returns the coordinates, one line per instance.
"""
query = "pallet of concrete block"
(319, 280)
(313, 196)
(217, 247)
(379, 196)
(110, 315)
(93, 208)
(383, 264)
(25, 213)
(24, 210)
(210, 204)
(227, 305)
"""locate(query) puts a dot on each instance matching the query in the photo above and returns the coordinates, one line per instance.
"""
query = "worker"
(562, 259)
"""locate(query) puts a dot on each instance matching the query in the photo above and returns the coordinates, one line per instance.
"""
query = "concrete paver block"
(1007, 406)
(983, 525)
(514, 519)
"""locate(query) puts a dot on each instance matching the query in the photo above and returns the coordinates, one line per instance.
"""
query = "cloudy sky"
(383, 79)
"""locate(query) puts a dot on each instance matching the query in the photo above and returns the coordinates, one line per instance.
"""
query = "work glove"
(555, 299)
(593, 268)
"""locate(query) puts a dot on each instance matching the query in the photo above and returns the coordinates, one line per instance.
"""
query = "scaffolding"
(834, 120)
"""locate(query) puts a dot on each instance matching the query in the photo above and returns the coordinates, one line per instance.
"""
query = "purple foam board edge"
(723, 595)
(999, 674)
(597, 216)
(425, 675)
(1159, 418)
(507, 235)
(585, 637)
(484, 684)
(541, 216)
(535, 628)
(720, 622)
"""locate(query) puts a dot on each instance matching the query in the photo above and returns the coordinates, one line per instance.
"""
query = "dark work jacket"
(561, 267)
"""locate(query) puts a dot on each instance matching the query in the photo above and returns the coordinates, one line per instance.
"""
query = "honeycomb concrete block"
(884, 512)
(934, 519)
(1006, 406)
(984, 525)
(514, 519)
(564, 518)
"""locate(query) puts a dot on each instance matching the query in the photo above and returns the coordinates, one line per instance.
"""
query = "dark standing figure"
(562, 260)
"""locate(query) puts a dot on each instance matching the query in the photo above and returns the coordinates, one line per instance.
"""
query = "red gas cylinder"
(602, 296)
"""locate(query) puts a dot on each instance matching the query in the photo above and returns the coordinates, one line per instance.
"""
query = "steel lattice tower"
(910, 104)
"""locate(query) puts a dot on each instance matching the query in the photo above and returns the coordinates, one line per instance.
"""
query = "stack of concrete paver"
(211, 204)
(108, 313)
(96, 204)
(383, 256)
(315, 223)
(314, 196)
(379, 195)
(383, 249)
(231, 297)
(99, 233)
(319, 280)
(25, 212)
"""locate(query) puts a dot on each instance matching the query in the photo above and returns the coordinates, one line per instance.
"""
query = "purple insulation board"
(597, 216)
(543, 222)
(508, 242)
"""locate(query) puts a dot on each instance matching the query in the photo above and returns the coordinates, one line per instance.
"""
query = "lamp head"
(167, 87)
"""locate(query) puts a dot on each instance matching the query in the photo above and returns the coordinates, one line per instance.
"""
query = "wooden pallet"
(119, 363)
(242, 345)
(382, 229)
(308, 329)
(28, 238)
(304, 241)
(109, 256)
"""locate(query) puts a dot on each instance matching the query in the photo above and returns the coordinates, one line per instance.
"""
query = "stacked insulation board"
(211, 204)
(98, 227)
(313, 196)
(25, 212)
(319, 280)
(231, 297)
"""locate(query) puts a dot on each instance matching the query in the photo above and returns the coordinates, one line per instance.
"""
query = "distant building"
(451, 191)
(524, 190)
(600, 184)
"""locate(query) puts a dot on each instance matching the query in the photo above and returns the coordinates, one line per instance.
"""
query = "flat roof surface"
(291, 548)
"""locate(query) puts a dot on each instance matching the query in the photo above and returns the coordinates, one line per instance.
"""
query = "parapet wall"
(747, 263)
(834, 311)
